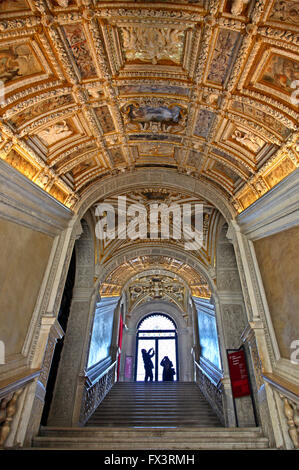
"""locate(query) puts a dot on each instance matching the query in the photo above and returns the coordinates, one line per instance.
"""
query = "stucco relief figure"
(63, 3)
(52, 134)
(153, 44)
(249, 140)
(237, 6)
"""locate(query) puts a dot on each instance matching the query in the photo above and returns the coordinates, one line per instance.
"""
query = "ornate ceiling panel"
(155, 275)
(146, 197)
(208, 88)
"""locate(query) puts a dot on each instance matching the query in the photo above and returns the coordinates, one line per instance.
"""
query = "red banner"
(120, 339)
(238, 373)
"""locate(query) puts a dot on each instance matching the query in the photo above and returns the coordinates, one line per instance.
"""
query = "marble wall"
(277, 257)
(24, 255)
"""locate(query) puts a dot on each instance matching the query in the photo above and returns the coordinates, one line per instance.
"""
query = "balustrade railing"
(95, 392)
(212, 391)
(10, 391)
(289, 394)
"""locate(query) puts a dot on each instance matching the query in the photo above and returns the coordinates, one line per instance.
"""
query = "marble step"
(50, 431)
(141, 439)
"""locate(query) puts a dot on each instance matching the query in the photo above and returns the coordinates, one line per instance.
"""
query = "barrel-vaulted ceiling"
(91, 88)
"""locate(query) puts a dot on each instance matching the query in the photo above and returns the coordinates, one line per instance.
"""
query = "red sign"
(238, 374)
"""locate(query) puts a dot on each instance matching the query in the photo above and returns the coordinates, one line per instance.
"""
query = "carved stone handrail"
(96, 390)
(213, 392)
(10, 390)
(11, 384)
(289, 394)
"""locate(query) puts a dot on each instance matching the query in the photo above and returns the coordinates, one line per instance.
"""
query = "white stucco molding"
(24, 203)
(275, 211)
(157, 272)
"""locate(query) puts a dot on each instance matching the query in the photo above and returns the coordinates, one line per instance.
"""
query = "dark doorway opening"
(62, 318)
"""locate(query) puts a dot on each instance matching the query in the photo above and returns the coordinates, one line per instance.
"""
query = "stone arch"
(155, 177)
(165, 250)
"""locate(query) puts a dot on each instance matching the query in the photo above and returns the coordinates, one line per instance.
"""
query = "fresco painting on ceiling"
(260, 117)
(153, 89)
(194, 159)
(234, 161)
(76, 38)
(86, 165)
(156, 149)
(56, 192)
(280, 72)
(279, 172)
(117, 155)
(13, 5)
(204, 121)
(21, 164)
(143, 114)
(41, 108)
(154, 137)
(226, 171)
(17, 61)
(224, 50)
(248, 198)
(105, 119)
(285, 11)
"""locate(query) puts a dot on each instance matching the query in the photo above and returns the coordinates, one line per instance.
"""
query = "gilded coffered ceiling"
(91, 88)
(106, 249)
(156, 277)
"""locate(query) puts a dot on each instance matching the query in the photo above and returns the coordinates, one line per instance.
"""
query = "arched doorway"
(157, 331)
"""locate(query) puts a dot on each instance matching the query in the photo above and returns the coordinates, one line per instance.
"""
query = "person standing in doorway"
(168, 370)
(148, 363)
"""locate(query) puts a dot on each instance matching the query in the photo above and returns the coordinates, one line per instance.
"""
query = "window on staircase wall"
(157, 331)
(207, 328)
(102, 330)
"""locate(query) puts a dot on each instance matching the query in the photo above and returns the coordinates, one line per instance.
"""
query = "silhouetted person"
(168, 370)
(148, 363)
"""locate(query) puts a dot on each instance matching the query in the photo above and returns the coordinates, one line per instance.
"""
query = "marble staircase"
(146, 416)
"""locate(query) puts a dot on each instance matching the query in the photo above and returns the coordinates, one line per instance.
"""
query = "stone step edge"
(228, 431)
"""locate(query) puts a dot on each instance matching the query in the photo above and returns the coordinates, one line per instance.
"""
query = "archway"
(156, 331)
